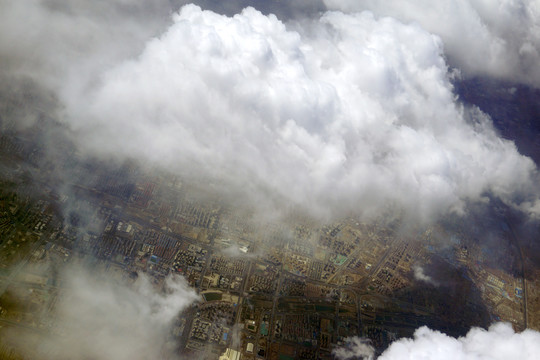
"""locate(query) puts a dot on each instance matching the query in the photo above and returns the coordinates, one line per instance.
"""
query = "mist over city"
(269, 180)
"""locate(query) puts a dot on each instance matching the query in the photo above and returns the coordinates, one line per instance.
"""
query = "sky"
(330, 107)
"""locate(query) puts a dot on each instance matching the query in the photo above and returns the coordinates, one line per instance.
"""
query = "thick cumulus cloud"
(348, 112)
(100, 318)
(499, 342)
(498, 38)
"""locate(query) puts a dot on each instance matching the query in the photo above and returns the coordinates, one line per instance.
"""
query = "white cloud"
(63, 45)
(355, 348)
(482, 37)
(346, 112)
(420, 275)
(350, 112)
(499, 342)
(100, 318)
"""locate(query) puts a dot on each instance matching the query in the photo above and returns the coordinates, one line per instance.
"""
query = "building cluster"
(263, 279)
(292, 289)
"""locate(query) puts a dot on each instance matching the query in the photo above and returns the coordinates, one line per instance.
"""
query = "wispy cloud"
(420, 275)
(355, 348)
(99, 317)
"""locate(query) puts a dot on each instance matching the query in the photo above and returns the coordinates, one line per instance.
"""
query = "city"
(293, 289)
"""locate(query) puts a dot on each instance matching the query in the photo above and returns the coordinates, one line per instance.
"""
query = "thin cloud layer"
(355, 348)
(499, 342)
(420, 275)
(98, 318)
(495, 38)
(349, 112)
(64, 44)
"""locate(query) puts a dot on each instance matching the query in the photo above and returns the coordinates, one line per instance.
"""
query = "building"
(230, 354)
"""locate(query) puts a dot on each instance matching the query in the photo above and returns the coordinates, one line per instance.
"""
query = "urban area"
(287, 289)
